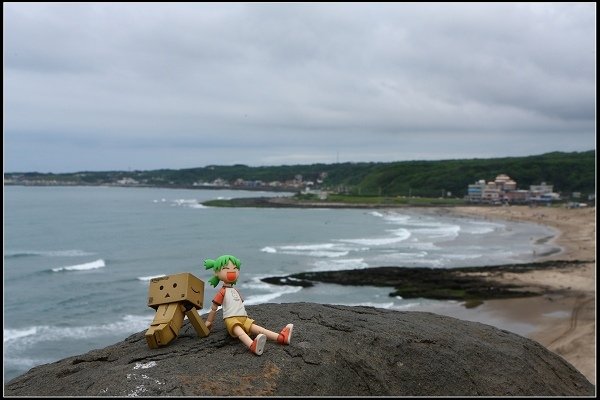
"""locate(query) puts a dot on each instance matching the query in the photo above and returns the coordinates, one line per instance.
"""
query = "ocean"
(78, 260)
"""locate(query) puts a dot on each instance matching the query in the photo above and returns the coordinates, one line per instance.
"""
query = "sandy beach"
(564, 317)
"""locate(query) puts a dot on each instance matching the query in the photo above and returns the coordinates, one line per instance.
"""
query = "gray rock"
(335, 350)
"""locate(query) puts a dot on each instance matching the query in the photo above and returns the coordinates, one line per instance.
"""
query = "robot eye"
(174, 285)
(161, 287)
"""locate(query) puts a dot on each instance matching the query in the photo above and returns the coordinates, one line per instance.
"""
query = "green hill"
(568, 172)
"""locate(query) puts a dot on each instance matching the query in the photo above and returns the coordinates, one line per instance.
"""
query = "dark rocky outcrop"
(469, 284)
(335, 350)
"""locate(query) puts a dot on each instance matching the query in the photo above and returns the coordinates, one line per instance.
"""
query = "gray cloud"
(93, 86)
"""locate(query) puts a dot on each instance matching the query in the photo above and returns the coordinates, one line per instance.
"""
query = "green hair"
(218, 264)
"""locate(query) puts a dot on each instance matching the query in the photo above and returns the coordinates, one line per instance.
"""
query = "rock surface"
(335, 350)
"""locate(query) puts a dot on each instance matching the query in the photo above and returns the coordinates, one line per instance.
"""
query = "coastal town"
(551, 178)
(502, 190)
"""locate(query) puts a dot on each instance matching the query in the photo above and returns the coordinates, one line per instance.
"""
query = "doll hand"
(208, 324)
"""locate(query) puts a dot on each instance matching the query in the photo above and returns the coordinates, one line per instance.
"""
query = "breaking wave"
(82, 267)
(46, 253)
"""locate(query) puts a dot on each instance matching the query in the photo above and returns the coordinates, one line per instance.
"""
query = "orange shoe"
(258, 344)
(285, 336)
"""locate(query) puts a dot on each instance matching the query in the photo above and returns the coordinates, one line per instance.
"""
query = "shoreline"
(561, 313)
(564, 317)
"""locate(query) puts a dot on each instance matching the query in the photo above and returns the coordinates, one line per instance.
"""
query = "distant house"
(543, 193)
(504, 183)
(490, 192)
(541, 189)
(220, 182)
(475, 191)
(517, 196)
(504, 190)
(127, 181)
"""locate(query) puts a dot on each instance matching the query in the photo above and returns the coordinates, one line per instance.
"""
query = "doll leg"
(256, 346)
(283, 337)
(165, 326)
(197, 322)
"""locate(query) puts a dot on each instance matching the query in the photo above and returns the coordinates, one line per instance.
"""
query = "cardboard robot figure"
(227, 270)
(174, 297)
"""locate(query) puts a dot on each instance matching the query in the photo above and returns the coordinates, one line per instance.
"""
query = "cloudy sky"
(118, 86)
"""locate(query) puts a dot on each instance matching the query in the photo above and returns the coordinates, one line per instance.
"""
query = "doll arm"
(211, 315)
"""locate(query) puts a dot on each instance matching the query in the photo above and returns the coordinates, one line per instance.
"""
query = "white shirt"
(233, 305)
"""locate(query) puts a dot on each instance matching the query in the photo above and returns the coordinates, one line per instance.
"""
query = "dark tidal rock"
(471, 284)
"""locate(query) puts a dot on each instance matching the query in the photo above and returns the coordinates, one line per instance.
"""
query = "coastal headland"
(335, 351)
(556, 294)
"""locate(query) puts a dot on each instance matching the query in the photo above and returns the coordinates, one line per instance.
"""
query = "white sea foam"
(15, 334)
(269, 249)
(47, 253)
(148, 278)
(482, 227)
(420, 254)
(369, 304)
(399, 235)
(330, 254)
(191, 203)
(438, 231)
(462, 256)
(256, 283)
(331, 250)
(273, 291)
(26, 337)
(482, 230)
(309, 246)
(407, 259)
(394, 218)
(421, 245)
(264, 298)
(338, 265)
(404, 306)
(82, 267)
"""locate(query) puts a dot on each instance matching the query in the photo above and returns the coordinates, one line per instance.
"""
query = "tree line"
(567, 171)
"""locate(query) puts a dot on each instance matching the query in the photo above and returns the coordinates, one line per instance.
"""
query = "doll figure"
(174, 297)
(227, 270)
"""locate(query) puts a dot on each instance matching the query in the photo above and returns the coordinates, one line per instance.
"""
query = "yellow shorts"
(244, 322)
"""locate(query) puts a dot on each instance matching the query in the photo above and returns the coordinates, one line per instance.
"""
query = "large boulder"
(335, 350)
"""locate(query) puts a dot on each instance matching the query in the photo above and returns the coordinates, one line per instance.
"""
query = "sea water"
(78, 260)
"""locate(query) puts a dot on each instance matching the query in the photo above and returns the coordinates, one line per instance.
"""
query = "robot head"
(183, 287)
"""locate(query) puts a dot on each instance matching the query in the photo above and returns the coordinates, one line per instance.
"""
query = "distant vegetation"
(568, 172)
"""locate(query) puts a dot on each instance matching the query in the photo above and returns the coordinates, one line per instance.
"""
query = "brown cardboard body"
(183, 287)
(197, 323)
(174, 297)
(165, 326)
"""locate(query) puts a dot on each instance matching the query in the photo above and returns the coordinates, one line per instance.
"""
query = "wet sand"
(563, 319)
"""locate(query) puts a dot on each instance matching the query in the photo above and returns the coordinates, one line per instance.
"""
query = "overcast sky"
(118, 86)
